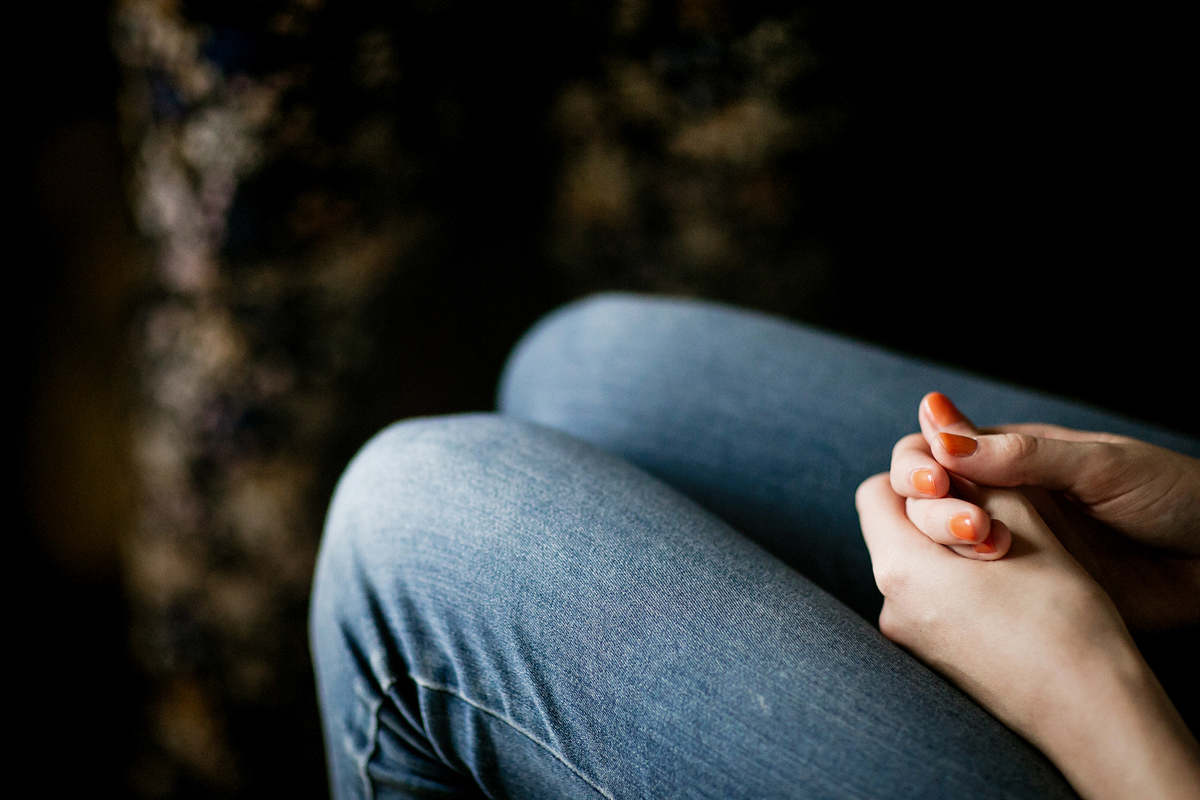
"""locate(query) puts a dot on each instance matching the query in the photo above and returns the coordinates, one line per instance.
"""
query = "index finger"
(915, 472)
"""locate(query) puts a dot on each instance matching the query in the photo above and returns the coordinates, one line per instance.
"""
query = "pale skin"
(1014, 561)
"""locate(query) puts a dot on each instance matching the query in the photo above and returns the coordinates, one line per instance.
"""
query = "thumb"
(1090, 471)
(1087, 469)
(937, 413)
(1146, 492)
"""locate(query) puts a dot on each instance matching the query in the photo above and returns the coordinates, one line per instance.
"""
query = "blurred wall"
(76, 267)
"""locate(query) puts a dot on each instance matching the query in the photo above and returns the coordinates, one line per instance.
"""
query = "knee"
(411, 520)
(401, 541)
(584, 355)
(434, 519)
(571, 347)
(431, 504)
(409, 489)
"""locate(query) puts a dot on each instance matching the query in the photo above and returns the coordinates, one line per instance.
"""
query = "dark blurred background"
(259, 231)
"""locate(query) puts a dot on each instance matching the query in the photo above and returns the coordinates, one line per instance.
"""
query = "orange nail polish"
(957, 445)
(962, 527)
(944, 412)
(986, 546)
(923, 482)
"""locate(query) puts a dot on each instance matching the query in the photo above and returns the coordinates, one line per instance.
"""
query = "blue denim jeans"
(644, 577)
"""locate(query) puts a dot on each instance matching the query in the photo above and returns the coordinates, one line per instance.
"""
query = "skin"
(1128, 511)
(1035, 626)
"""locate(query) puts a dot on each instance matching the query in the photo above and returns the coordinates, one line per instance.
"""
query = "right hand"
(1034, 640)
(1128, 511)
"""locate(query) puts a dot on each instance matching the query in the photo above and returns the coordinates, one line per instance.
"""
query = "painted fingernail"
(986, 546)
(962, 527)
(944, 412)
(957, 445)
(923, 482)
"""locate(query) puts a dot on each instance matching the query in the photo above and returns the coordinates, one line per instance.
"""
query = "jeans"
(644, 577)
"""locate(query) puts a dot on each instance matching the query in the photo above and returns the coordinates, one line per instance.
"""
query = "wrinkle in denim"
(644, 579)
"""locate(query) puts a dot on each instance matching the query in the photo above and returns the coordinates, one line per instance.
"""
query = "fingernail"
(957, 445)
(944, 412)
(986, 546)
(923, 482)
(962, 527)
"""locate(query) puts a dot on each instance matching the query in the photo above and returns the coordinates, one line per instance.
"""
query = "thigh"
(769, 424)
(503, 609)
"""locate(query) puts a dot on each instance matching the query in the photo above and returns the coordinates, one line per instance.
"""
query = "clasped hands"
(1014, 560)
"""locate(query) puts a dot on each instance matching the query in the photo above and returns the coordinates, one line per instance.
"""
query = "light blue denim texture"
(644, 578)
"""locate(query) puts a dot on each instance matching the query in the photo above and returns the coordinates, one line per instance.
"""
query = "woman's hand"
(1128, 511)
(1034, 639)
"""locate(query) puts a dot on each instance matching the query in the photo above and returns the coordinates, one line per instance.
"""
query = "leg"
(769, 424)
(504, 609)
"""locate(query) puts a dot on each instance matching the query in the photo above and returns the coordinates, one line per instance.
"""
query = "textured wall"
(301, 172)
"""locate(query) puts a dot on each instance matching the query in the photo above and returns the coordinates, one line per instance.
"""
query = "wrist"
(1111, 729)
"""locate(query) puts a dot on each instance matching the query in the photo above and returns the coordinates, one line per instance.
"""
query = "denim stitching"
(373, 737)
(562, 759)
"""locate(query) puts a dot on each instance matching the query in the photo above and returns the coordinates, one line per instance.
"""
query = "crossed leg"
(504, 610)
(659, 602)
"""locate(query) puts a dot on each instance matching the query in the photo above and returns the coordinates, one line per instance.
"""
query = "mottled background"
(255, 232)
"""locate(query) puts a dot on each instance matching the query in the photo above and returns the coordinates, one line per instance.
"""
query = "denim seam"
(561, 758)
(364, 761)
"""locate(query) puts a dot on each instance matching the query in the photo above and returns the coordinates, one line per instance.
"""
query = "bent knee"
(414, 507)
(418, 477)
(573, 350)
(438, 495)
(434, 519)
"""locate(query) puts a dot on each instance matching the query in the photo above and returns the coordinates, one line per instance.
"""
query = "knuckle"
(890, 580)
(889, 624)
(911, 442)
(1112, 465)
(869, 487)
(860, 495)
(1018, 446)
(897, 624)
(1110, 457)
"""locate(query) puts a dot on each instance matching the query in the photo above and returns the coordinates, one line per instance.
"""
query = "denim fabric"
(640, 580)
(769, 424)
